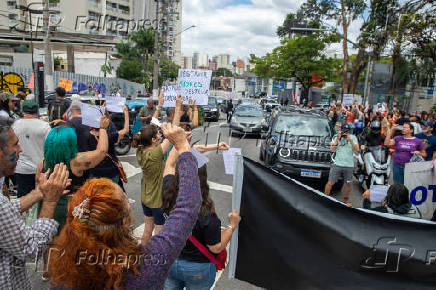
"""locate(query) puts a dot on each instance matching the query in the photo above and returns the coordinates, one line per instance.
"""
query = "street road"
(220, 185)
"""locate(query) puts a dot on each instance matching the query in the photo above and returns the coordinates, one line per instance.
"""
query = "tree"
(125, 50)
(107, 68)
(131, 70)
(222, 72)
(298, 20)
(344, 12)
(168, 70)
(301, 57)
(144, 43)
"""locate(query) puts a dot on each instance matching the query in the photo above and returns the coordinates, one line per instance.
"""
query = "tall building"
(200, 61)
(187, 62)
(213, 65)
(223, 61)
(103, 17)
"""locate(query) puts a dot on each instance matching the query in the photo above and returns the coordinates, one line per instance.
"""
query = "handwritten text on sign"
(170, 95)
(195, 85)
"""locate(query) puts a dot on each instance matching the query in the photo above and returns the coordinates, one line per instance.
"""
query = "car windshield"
(212, 102)
(248, 111)
(249, 101)
(302, 126)
(219, 100)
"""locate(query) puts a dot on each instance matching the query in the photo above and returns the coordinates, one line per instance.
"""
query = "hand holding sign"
(115, 104)
(91, 115)
(170, 94)
(195, 85)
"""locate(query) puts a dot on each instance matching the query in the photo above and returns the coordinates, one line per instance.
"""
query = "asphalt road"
(219, 182)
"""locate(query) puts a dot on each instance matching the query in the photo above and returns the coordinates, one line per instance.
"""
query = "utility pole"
(156, 51)
(48, 66)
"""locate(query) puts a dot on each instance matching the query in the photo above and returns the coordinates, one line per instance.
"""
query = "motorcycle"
(375, 161)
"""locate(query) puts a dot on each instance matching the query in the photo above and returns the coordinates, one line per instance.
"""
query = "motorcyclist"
(373, 136)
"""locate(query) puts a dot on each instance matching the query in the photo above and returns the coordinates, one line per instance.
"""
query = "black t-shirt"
(207, 230)
(106, 168)
(60, 107)
(185, 118)
(82, 133)
(374, 140)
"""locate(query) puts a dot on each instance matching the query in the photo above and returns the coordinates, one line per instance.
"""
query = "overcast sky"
(237, 27)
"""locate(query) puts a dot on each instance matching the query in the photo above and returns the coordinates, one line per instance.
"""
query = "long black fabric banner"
(292, 237)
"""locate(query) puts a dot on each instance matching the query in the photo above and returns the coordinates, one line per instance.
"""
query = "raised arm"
(159, 105)
(171, 240)
(178, 111)
(195, 115)
(126, 128)
(204, 148)
(86, 160)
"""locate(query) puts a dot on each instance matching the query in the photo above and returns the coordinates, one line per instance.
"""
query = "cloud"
(238, 27)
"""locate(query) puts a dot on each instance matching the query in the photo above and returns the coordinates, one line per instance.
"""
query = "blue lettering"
(413, 195)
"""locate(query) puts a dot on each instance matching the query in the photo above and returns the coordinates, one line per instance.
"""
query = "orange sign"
(66, 84)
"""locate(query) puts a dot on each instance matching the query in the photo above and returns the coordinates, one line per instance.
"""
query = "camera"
(344, 133)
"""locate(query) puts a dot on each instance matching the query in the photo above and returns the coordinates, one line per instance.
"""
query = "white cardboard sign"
(170, 95)
(115, 104)
(91, 115)
(195, 84)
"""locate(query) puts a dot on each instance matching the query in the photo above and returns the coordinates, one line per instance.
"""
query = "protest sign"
(229, 159)
(195, 84)
(155, 121)
(201, 159)
(378, 193)
(91, 115)
(348, 99)
(66, 84)
(421, 182)
(115, 104)
(170, 95)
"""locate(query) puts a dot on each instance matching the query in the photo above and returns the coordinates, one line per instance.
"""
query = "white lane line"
(130, 169)
(220, 187)
(130, 155)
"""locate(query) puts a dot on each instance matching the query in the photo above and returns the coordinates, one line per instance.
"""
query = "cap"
(75, 105)
(30, 107)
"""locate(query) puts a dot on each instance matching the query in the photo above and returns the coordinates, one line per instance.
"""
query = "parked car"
(298, 144)
(270, 104)
(247, 119)
(247, 101)
(211, 111)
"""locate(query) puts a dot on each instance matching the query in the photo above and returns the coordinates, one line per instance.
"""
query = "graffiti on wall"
(10, 82)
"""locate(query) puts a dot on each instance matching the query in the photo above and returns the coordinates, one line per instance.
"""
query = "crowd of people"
(406, 137)
(70, 175)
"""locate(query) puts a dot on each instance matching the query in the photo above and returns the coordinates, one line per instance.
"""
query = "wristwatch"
(230, 227)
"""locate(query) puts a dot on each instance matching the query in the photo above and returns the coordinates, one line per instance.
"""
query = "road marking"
(220, 187)
(130, 155)
(130, 169)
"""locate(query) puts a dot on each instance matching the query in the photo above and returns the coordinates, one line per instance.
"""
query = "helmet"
(375, 127)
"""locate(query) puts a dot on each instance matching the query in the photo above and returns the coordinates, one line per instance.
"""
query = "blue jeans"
(191, 275)
(398, 172)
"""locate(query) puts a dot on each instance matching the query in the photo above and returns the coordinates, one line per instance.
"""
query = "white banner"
(170, 95)
(195, 85)
(348, 99)
(115, 104)
(91, 115)
(420, 179)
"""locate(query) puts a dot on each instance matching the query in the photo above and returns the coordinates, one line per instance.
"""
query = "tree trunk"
(358, 66)
(146, 62)
(345, 49)
(395, 58)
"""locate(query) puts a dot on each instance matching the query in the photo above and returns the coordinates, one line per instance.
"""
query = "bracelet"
(230, 227)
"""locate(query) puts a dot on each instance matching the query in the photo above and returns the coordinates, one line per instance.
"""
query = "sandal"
(347, 202)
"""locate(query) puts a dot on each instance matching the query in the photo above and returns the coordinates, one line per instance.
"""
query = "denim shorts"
(156, 213)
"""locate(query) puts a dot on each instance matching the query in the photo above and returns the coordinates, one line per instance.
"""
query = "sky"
(238, 27)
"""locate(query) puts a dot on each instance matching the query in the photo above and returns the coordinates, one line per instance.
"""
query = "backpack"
(57, 110)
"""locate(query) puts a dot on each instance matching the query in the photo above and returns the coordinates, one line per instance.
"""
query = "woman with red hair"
(97, 250)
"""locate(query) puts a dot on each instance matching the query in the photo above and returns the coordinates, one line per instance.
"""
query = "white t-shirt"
(31, 135)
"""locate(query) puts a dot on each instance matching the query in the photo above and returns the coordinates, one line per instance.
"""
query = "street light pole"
(156, 51)
(47, 49)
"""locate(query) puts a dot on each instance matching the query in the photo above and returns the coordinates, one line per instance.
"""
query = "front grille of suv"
(312, 156)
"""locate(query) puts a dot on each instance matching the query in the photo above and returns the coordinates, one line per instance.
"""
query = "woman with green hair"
(61, 147)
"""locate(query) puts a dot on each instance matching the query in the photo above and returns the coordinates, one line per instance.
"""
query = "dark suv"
(298, 144)
(211, 111)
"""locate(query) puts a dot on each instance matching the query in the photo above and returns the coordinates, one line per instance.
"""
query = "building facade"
(187, 62)
(200, 61)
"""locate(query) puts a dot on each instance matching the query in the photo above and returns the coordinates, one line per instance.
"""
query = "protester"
(229, 110)
(405, 147)
(21, 93)
(344, 144)
(99, 218)
(403, 118)
(32, 133)
(147, 112)
(108, 168)
(397, 202)
(193, 269)
(20, 242)
(6, 105)
(428, 139)
(75, 122)
(150, 154)
(416, 125)
(57, 108)
(61, 147)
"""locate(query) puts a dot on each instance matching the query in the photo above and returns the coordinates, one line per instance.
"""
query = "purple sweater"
(164, 248)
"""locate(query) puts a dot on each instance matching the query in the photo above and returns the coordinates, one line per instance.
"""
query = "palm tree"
(125, 50)
(144, 43)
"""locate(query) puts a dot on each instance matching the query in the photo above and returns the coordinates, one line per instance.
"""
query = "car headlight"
(284, 152)
(213, 110)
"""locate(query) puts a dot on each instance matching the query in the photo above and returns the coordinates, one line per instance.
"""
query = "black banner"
(292, 237)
